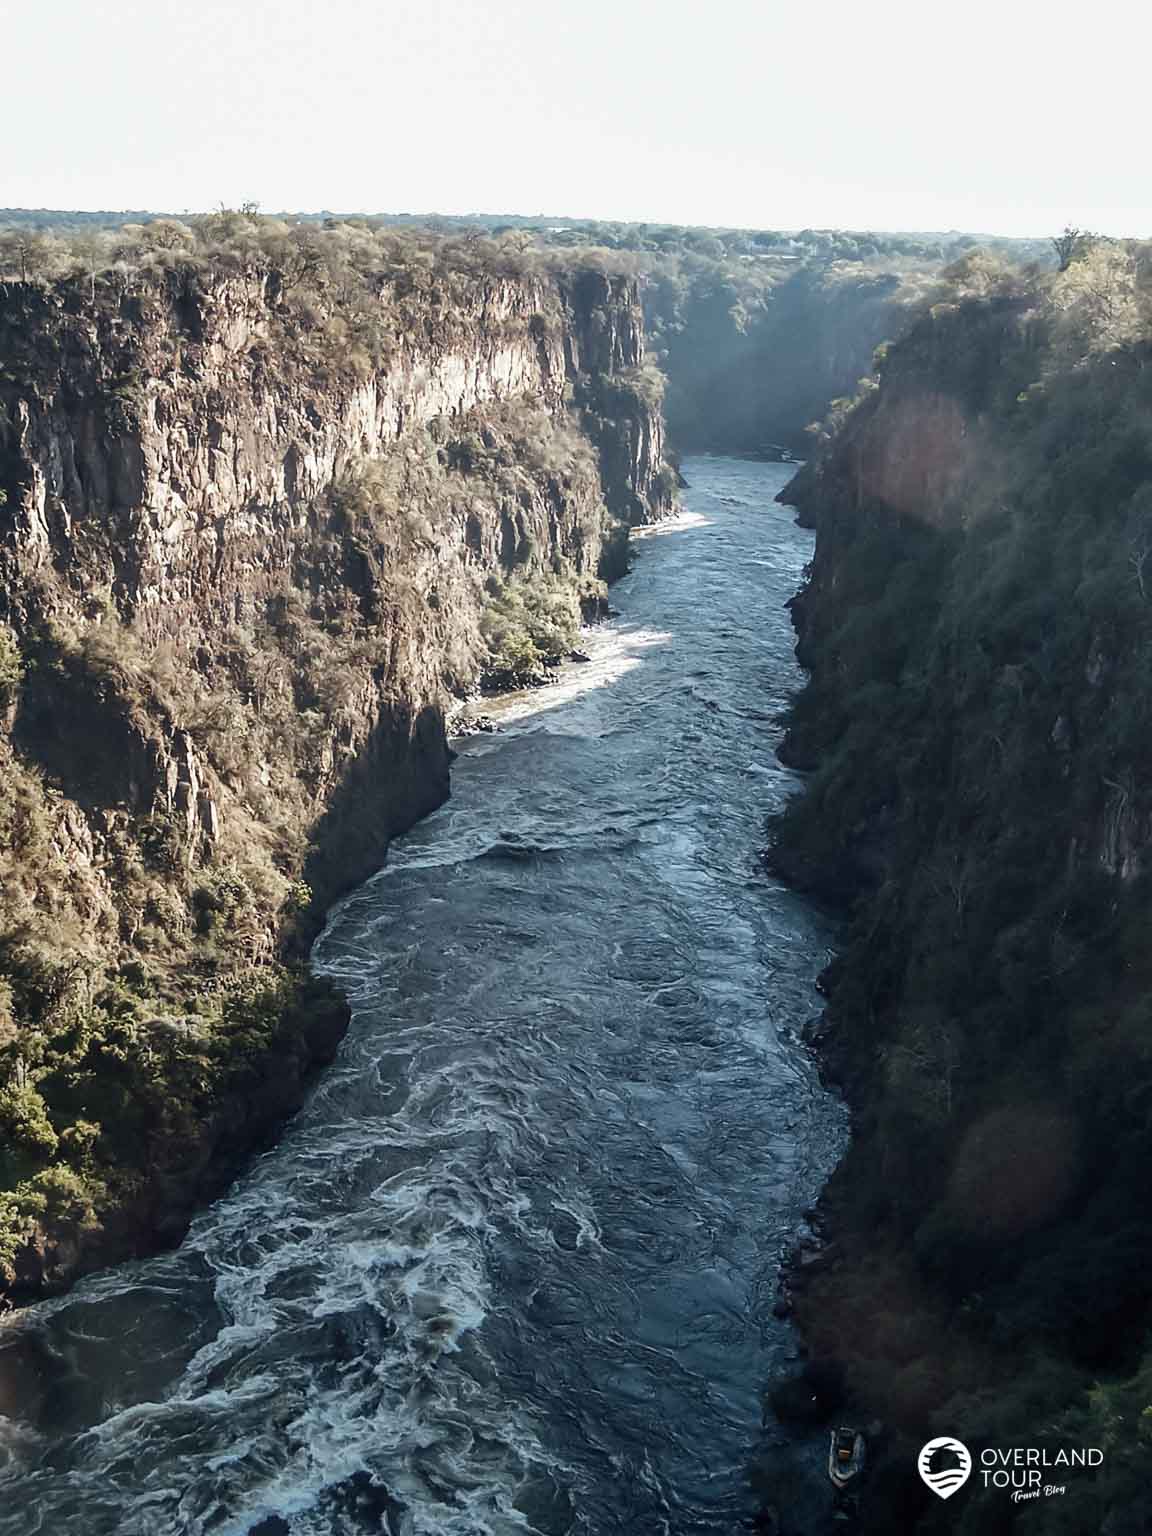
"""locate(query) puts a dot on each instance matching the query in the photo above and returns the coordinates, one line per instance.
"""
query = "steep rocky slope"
(978, 628)
(268, 504)
(745, 373)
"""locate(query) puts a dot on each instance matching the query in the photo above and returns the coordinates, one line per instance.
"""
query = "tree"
(92, 250)
(1070, 245)
(1097, 298)
(28, 252)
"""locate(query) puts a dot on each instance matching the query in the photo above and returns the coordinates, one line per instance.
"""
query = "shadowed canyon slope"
(977, 627)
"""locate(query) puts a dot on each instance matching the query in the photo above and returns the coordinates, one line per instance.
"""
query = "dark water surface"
(512, 1267)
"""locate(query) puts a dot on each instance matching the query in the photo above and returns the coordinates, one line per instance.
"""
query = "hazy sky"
(991, 115)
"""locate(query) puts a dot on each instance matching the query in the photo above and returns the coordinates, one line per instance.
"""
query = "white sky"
(1006, 116)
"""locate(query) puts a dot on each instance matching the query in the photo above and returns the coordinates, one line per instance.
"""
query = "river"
(512, 1267)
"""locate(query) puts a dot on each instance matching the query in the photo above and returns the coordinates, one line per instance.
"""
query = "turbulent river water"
(512, 1268)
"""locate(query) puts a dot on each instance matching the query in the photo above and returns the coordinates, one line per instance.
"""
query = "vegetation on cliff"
(978, 628)
(264, 495)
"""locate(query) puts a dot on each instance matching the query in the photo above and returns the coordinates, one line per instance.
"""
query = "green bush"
(59, 1193)
(220, 896)
(11, 664)
(531, 620)
(24, 1124)
(66, 1192)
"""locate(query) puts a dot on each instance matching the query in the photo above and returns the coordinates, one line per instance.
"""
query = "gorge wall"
(978, 628)
(740, 378)
(267, 509)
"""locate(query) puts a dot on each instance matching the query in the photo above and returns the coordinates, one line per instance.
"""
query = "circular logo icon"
(944, 1464)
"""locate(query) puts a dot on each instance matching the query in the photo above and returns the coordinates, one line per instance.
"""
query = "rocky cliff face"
(978, 633)
(168, 447)
(251, 523)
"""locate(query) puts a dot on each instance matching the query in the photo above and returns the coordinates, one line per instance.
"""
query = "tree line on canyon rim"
(755, 330)
(977, 625)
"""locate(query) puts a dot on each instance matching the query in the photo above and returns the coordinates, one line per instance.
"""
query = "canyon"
(275, 503)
